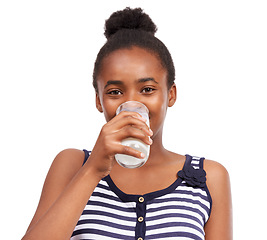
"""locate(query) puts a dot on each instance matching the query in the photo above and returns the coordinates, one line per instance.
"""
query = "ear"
(98, 103)
(172, 95)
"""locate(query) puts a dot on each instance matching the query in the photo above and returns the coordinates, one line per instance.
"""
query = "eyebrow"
(113, 82)
(140, 80)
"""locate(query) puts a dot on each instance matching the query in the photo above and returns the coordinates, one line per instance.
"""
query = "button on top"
(141, 199)
(140, 219)
(140, 238)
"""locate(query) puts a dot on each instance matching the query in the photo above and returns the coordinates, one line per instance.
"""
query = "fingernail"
(142, 155)
(151, 132)
(150, 140)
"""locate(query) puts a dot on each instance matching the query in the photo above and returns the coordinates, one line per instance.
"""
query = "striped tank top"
(179, 211)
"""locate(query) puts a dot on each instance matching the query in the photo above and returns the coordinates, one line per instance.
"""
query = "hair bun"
(129, 19)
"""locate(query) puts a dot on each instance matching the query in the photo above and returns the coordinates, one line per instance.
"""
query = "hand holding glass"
(126, 160)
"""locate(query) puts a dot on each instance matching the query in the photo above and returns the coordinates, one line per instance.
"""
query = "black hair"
(133, 27)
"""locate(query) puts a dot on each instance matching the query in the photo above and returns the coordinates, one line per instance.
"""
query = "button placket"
(140, 229)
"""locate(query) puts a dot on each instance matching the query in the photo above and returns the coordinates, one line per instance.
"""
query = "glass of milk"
(126, 160)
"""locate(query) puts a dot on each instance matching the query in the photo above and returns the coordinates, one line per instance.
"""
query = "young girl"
(88, 195)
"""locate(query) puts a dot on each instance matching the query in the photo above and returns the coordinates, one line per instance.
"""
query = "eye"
(114, 92)
(148, 90)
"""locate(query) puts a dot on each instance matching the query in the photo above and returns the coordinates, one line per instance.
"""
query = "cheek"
(109, 110)
(157, 113)
(109, 107)
(109, 113)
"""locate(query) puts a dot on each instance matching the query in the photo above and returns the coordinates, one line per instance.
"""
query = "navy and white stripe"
(177, 212)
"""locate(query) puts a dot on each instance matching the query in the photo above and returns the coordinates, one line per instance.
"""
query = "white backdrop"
(47, 51)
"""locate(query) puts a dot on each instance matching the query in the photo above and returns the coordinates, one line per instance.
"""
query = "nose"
(133, 96)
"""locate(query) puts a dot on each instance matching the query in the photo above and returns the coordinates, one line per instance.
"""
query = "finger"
(131, 152)
(133, 114)
(130, 118)
(133, 132)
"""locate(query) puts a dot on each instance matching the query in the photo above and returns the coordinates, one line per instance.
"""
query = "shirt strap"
(195, 162)
(86, 155)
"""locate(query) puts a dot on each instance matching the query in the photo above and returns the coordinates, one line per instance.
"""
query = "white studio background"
(47, 52)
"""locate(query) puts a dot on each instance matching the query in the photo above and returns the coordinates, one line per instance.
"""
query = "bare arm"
(219, 226)
(66, 191)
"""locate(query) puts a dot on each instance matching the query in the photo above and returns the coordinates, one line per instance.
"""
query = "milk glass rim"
(144, 107)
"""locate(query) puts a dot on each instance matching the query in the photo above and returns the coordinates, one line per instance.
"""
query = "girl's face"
(134, 75)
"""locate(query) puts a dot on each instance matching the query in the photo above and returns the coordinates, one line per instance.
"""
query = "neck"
(157, 150)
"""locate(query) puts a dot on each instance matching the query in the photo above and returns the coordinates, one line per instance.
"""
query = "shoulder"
(218, 183)
(70, 154)
(68, 160)
(65, 166)
(218, 179)
(215, 170)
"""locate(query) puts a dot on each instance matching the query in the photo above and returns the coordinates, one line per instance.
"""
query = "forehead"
(132, 61)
